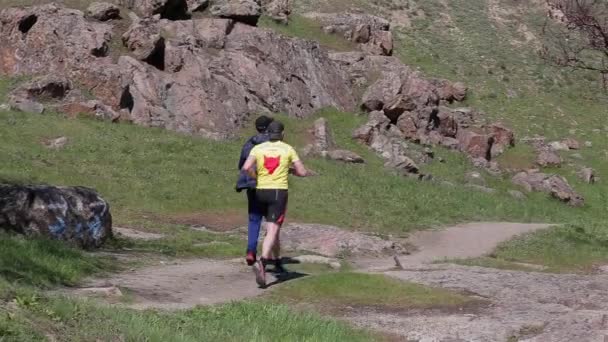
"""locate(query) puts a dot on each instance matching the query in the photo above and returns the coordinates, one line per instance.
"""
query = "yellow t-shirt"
(273, 159)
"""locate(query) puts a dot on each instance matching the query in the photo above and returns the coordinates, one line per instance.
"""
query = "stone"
(332, 242)
(145, 42)
(398, 106)
(450, 92)
(404, 164)
(108, 292)
(199, 33)
(55, 143)
(102, 11)
(558, 146)
(474, 177)
(476, 145)
(407, 125)
(571, 143)
(91, 108)
(197, 5)
(165, 9)
(25, 105)
(322, 134)
(587, 174)
(450, 143)
(518, 195)
(245, 11)
(4, 107)
(380, 43)
(576, 156)
(345, 156)
(45, 88)
(76, 215)
(547, 158)
(503, 138)
(277, 10)
(557, 186)
(481, 188)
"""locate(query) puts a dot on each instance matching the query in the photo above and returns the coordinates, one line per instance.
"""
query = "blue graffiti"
(58, 228)
(95, 227)
(79, 230)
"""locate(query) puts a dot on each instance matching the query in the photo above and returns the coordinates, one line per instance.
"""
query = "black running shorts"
(273, 203)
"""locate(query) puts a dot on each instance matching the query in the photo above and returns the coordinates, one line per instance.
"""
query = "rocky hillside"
(205, 67)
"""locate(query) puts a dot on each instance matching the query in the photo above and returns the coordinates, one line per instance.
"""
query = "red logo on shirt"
(272, 163)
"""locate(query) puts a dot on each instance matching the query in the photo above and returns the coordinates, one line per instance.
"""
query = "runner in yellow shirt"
(270, 163)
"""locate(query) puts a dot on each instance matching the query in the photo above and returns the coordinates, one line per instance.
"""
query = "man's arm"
(248, 166)
(299, 169)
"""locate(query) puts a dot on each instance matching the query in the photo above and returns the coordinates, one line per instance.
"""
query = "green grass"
(145, 170)
(366, 290)
(69, 320)
(45, 263)
(302, 27)
(574, 247)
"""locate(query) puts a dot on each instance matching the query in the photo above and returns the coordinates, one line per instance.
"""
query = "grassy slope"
(491, 46)
(484, 45)
(142, 170)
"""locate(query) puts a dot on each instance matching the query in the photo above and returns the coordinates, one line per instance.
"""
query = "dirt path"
(185, 284)
(457, 242)
(522, 306)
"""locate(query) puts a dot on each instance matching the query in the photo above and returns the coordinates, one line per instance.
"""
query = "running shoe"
(260, 273)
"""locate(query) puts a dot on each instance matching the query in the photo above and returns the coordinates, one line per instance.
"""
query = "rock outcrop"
(74, 214)
(204, 76)
(102, 11)
(371, 33)
(335, 242)
(557, 186)
(404, 105)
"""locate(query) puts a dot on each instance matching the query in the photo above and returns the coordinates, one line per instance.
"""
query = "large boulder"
(74, 214)
(245, 11)
(102, 11)
(475, 144)
(557, 186)
(145, 42)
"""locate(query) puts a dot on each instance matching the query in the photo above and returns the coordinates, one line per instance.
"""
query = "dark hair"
(275, 130)
(261, 123)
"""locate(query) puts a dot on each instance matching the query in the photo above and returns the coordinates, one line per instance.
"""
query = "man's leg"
(253, 229)
(272, 235)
